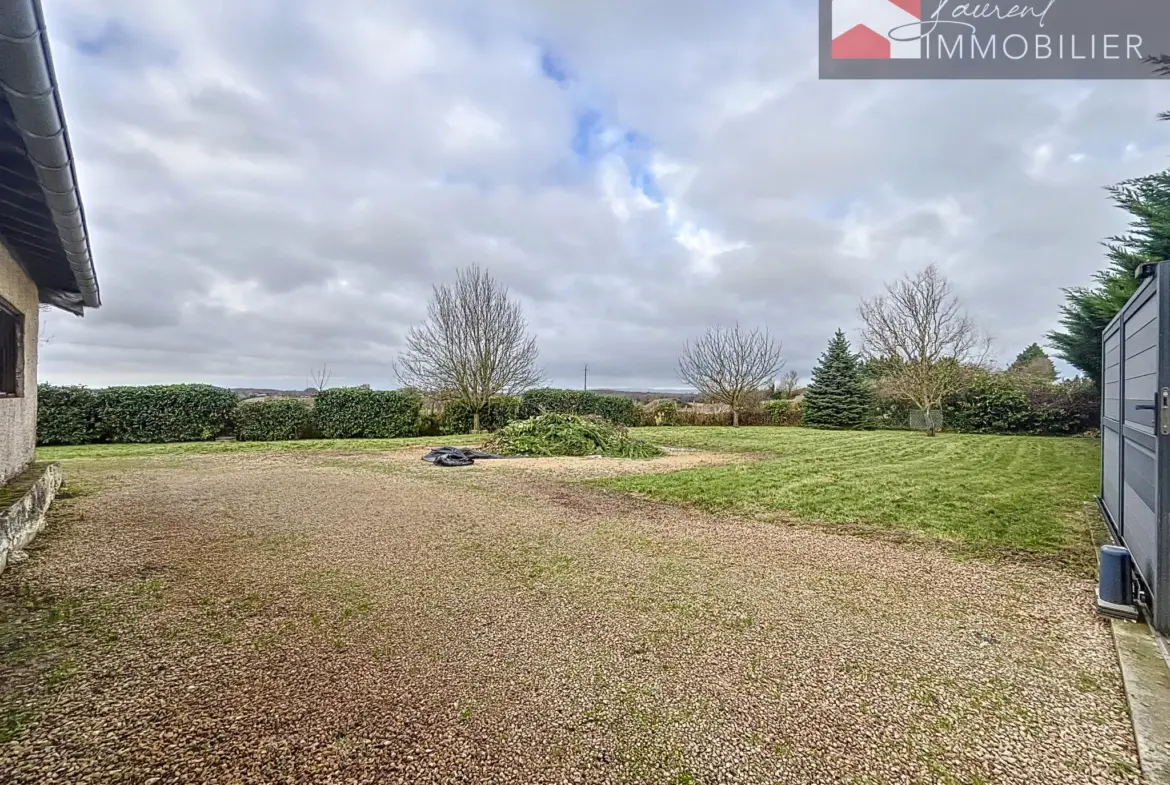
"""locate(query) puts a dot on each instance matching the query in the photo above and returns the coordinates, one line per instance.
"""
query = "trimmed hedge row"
(160, 413)
(660, 413)
(459, 418)
(1006, 403)
(67, 415)
(786, 413)
(362, 413)
(620, 411)
(274, 420)
(992, 403)
(200, 412)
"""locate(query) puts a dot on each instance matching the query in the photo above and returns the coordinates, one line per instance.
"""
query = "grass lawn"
(1000, 491)
(89, 451)
(1015, 492)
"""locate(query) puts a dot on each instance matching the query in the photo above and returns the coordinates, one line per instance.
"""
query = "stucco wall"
(18, 416)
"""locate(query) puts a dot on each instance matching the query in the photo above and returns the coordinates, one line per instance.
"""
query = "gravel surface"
(374, 619)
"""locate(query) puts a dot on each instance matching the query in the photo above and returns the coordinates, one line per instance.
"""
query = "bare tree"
(787, 386)
(474, 344)
(928, 342)
(320, 378)
(730, 366)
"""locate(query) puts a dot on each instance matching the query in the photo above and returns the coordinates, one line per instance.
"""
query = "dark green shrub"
(992, 403)
(66, 415)
(458, 418)
(272, 420)
(621, 411)
(660, 413)
(1070, 407)
(783, 412)
(362, 413)
(430, 423)
(568, 434)
(890, 415)
(546, 399)
(1010, 403)
(164, 413)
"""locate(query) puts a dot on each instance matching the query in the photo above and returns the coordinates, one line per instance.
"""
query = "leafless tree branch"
(320, 378)
(920, 325)
(474, 344)
(731, 365)
(788, 384)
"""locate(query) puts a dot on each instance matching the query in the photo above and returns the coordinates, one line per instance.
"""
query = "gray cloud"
(272, 185)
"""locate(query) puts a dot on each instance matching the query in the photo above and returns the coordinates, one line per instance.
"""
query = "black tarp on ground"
(456, 456)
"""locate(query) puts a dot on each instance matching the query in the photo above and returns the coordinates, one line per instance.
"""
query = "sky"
(277, 184)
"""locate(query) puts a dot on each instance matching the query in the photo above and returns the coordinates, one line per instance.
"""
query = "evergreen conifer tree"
(839, 396)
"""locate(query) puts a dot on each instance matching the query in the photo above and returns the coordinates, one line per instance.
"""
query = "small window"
(11, 351)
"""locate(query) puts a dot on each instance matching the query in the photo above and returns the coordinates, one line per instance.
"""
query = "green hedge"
(458, 417)
(782, 412)
(660, 413)
(66, 415)
(1008, 403)
(164, 413)
(158, 413)
(620, 411)
(273, 420)
(361, 413)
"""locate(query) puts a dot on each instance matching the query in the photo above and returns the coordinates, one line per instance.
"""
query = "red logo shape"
(876, 29)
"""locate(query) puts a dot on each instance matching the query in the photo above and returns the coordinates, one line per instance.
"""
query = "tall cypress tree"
(1089, 309)
(839, 396)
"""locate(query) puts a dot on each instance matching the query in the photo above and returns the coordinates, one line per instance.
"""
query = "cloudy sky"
(274, 184)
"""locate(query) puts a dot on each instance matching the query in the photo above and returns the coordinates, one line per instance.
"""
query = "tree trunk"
(929, 422)
(735, 418)
(475, 422)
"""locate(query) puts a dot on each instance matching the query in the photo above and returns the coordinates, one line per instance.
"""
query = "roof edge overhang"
(30, 84)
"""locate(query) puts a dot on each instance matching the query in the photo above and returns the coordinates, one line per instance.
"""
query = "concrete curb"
(21, 521)
(1147, 685)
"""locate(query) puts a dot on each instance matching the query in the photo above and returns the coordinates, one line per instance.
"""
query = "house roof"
(42, 222)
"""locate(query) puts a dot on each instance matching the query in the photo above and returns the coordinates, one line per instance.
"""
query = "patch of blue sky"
(594, 137)
(113, 36)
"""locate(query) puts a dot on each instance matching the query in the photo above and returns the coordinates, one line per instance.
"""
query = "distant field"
(1002, 491)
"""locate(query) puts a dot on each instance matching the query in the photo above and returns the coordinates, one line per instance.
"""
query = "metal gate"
(1135, 436)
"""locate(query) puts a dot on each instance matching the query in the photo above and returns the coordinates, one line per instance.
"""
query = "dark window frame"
(11, 351)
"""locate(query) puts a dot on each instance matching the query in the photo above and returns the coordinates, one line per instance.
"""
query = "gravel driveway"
(373, 619)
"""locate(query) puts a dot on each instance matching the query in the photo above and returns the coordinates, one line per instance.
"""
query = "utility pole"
(586, 387)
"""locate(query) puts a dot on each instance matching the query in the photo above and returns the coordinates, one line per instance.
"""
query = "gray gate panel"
(1140, 364)
(1111, 477)
(1140, 534)
(1135, 453)
(1141, 473)
(1111, 377)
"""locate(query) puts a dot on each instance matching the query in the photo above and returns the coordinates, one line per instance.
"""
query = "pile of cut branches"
(567, 434)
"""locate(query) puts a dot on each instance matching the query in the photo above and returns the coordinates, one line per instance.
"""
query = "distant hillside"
(257, 392)
(644, 397)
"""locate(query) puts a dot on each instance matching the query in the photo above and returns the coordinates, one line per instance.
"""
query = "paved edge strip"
(1147, 686)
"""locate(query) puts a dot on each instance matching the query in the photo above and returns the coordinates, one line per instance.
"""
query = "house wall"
(18, 416)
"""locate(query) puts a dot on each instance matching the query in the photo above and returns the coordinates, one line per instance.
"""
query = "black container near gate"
(1135, 437)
